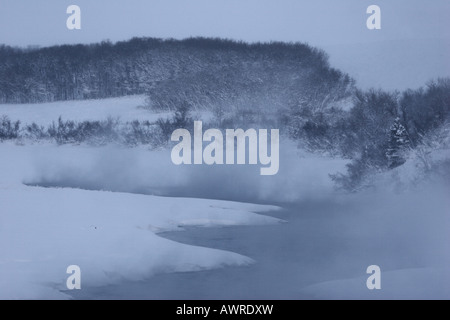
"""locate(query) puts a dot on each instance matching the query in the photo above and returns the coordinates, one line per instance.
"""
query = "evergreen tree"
(397, 144)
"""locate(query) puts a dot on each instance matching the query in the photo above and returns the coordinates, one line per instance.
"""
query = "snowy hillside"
(127, 108)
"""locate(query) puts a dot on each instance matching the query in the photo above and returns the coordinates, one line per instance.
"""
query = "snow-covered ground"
(127, 108)
(111, 236)
(403, 284)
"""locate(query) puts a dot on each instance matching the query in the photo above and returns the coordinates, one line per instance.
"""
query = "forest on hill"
(200, 70)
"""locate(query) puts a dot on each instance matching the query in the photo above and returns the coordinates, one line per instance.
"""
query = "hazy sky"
(323, 22)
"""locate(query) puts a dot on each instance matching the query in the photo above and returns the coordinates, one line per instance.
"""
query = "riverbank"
(322, 252)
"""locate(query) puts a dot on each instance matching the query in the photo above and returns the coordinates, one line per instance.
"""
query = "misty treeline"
(202, 71)
(273, 85)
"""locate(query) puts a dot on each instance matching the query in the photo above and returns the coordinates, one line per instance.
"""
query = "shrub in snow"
(8, 130)
(428, 161)
(34, 132)
(181, 120)
(140, 133)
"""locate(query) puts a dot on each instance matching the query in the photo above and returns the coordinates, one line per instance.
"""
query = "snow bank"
(111, 236)
(405, 284)
(126, 108)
